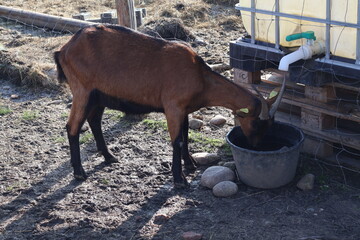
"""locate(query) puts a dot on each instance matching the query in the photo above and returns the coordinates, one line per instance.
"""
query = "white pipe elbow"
(304, 52)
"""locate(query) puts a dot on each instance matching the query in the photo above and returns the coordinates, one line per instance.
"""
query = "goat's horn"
(264, 114)
(276, 104)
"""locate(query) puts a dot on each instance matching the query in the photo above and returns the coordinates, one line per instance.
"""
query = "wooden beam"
(43, 20)
(126, 13)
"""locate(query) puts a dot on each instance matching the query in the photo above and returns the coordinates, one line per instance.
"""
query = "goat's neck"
(223, 92)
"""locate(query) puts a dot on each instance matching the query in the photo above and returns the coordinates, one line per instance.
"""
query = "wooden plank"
(277, 79)
(241, 77)
(344, 86)
(316, 120)
(126, 13)
(321, 94)
(347, 111)
(340, 136)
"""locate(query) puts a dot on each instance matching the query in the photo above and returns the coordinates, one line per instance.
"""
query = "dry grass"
(35, 74)
(26, 52)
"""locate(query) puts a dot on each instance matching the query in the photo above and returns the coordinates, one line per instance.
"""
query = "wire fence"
(342, 136)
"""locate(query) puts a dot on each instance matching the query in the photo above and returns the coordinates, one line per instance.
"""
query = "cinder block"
(82, 16)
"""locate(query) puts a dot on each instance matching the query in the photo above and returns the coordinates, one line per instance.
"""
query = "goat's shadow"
(44, 205)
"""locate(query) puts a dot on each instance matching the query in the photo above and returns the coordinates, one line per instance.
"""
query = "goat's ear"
(273, 96)
(242, 112)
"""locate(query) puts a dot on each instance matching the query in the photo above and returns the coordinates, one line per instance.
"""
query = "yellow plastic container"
(342, 39)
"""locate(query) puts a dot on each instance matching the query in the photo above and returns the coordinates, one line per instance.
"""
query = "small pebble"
(195, 123)
(218, 120)
(192, 236)
(215, 174)
(14, 96)
(225, 189)
(204, 158)
(306, 182)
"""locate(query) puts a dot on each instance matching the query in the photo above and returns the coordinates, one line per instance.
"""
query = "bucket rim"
(282, 150)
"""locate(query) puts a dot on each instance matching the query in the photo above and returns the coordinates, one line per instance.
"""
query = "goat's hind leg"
(75, 122)
(94, 120)
(189, 162)
(175, 126)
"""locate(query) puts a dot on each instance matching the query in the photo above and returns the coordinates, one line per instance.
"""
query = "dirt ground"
(135, 198)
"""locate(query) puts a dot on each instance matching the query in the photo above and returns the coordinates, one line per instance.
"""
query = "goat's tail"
(61, 74)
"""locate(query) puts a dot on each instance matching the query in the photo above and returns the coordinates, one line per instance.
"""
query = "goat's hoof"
(80, 174)
(111, 160)
(80, 177)
(181, 185)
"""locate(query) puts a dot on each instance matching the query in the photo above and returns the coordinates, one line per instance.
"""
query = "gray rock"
(221, 163)
(204, 158)
(195, 123)
(306, 182)
(225, 189)
(218, 120)
(215, 174)
(230, 165)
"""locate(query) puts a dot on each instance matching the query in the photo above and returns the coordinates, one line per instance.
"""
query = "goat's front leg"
(76, 120)
(94, 120)
(175, 120)
(189, 161)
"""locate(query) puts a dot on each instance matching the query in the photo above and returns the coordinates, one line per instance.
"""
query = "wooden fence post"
(126, 13)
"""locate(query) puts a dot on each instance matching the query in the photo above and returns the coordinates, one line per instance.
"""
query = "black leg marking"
(179, 177)
(189, 162)
(94, 120)
(79, 172)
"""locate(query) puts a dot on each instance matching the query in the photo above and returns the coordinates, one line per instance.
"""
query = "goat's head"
(254, 122)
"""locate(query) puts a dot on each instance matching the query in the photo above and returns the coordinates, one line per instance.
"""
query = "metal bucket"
(274, 162)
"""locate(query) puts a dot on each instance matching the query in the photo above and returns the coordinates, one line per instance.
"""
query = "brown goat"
(115, 67)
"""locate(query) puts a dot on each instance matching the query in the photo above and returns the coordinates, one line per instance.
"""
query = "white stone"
(225, 189)
(306, 182)
(218, 120)
(14, 96)
(204, 158)
(215, 174)
(195, 123)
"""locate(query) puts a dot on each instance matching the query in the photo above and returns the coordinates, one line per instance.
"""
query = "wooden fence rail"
(43, 20)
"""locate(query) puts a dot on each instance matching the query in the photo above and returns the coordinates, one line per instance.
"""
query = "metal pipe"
(253, 22)
(358, 35)
(327, 33)
(277, 26)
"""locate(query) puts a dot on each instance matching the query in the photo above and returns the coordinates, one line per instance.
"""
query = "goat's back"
(129, 65)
